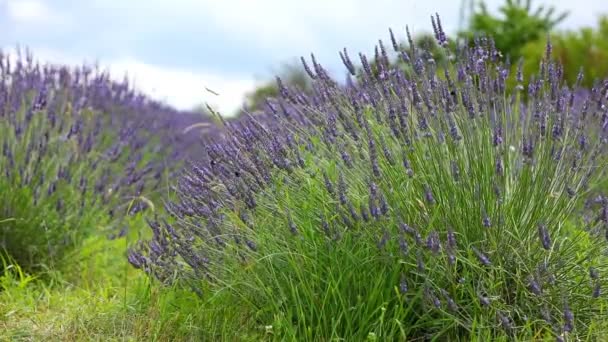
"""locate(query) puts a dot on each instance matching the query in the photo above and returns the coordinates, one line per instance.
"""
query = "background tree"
(517, 25)
(585, 49)
(291, 73)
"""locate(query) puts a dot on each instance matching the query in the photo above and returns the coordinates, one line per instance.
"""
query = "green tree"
(517, 26)
(292, 74)
(586, 48)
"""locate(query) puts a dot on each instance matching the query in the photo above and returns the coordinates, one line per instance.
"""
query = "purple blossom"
(597, 290)
(483, 259)
(403, 245)
(534, 286)
(428, 195)
(486, 221)
(593, 273)
(543, 235)
(483, 300)
(403, 288)
(568, 319)
(433, 243)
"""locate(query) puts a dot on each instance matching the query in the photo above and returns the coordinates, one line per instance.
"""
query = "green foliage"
(519, 25)
(291, 75)
(584, 50)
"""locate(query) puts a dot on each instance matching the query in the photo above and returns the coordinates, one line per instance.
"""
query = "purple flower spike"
(403, 288)
(593, 273)
(543, 235)
(428, 195)
(568, 319)
(483, 300)
(597, 290)
(534, 286)
(433, 243)
(483, 259)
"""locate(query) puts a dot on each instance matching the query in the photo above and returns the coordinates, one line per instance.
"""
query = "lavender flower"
(505, 321)
(451, 239)
(597, 290)
(403, 288)
(420, 263)
(483, 300)
(328, 184)
(428, 195)
(433, 243)
(500, 170)
(593, 273)
(342, 189)
(251, 245)
(408, 169)
(486, 221)
(534, 286)
(403, 246)
(544, 237)
(568, 319)
(393, 41)
(483, 259)
(383, 240)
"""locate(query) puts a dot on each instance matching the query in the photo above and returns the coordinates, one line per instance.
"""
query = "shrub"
(577, 51)
(75, 155)
(431, 205)
(518, 26)
(291, 75)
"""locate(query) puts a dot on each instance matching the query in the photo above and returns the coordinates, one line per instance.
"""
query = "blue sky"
(172, 50)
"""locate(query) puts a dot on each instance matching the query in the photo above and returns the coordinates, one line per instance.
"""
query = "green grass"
(102, 298)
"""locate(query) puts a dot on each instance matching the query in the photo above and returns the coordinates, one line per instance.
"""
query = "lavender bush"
(77, 152)
(432, 204)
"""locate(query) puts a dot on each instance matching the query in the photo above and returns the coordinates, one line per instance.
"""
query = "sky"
(173, 50)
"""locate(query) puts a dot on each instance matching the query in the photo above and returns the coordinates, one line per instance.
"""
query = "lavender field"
(442, 192)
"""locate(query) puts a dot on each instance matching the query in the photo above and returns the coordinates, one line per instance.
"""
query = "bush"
(579, 52)
(76, 155)
(290, 74)
(518, 26)
(44, 187)
(435, 205)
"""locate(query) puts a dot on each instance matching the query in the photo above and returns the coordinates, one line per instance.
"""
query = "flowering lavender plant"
(429, 203)
(75, 153)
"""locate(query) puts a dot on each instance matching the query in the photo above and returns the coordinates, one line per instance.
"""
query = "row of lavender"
(438, 196)
(76, 149)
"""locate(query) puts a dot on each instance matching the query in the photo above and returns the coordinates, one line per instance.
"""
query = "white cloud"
(274, 30)
(179, 88)
(32, 12)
